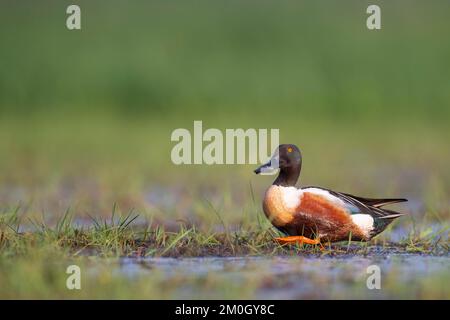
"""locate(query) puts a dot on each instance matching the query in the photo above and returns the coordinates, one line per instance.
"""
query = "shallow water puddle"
(289, 277)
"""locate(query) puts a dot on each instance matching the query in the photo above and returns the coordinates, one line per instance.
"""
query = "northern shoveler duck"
(312, 214)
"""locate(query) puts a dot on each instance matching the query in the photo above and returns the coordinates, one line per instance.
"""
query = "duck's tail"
(391, 214)
(381, 221)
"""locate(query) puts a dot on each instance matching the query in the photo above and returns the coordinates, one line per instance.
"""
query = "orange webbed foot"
(298, 239)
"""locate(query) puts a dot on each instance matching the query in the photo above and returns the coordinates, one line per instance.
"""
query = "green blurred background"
(86, 116)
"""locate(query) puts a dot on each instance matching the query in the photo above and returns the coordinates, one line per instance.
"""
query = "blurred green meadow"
(86, 118)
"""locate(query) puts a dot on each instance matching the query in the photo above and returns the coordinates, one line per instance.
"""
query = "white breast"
(291, 196)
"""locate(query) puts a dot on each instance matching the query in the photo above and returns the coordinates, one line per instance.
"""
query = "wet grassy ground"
(122, 260)
(299, 276)
(169, 222)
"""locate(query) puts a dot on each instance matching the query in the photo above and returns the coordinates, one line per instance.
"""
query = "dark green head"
(288, 159)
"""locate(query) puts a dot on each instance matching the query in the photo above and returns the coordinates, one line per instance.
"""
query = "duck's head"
(288, 159)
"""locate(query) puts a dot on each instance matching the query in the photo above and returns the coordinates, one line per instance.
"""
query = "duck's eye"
(289, 149)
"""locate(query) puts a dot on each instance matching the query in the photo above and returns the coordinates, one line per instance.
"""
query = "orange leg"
(297, 239)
